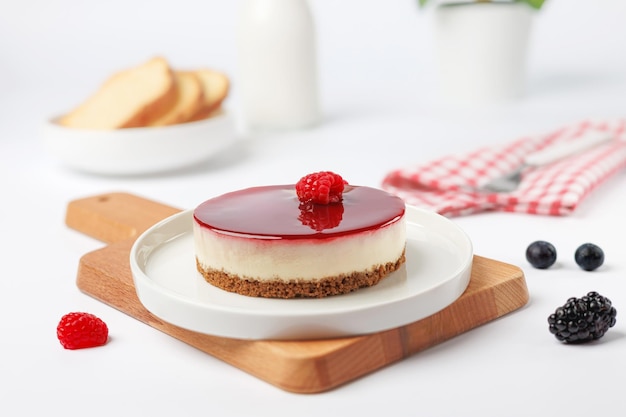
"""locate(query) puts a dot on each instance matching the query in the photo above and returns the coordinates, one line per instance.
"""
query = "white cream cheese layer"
(309, 259)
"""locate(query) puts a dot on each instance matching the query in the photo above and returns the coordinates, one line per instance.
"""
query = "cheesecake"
(279, 241)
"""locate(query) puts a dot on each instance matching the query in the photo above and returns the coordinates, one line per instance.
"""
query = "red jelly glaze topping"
(273, 212)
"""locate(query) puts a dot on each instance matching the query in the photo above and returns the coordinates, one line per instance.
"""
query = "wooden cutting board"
(311, 366)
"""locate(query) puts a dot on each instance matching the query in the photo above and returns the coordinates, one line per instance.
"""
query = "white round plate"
(138, 150)
(437, 271)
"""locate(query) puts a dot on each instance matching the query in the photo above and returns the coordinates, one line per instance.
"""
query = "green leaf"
(535, 3)
(422, 2)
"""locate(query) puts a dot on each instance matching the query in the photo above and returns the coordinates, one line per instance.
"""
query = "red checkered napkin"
(447, 185)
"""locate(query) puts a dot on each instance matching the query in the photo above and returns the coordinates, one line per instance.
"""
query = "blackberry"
(541, 254)
(583, 319)
(589, 256)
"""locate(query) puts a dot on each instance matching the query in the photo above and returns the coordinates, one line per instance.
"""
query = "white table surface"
(380, 111)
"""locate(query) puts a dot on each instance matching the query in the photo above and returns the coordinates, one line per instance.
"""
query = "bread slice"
(129, 98)
(216, 86)
(189, 100)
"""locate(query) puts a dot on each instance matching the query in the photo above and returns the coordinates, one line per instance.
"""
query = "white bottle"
(277, 64)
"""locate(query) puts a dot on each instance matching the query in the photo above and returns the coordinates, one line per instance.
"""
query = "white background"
(380, 112)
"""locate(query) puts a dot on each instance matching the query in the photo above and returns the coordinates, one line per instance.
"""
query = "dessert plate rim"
(436, 273)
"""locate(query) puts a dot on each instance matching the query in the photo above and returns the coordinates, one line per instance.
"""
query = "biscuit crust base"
(324, 287)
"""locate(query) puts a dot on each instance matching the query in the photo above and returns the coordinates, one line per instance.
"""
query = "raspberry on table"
(324, 187)
(80, 330)
(584, 319)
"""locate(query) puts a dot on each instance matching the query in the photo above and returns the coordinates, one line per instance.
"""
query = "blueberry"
(589, 256)
(541, 254)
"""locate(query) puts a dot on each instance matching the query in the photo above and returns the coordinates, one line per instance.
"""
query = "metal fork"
(510, 181)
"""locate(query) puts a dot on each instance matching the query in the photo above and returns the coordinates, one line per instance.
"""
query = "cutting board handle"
(114, 217)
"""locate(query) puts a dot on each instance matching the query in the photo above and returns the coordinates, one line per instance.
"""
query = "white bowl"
(139, 150)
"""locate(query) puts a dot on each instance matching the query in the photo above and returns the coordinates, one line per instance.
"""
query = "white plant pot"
(482, 51)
